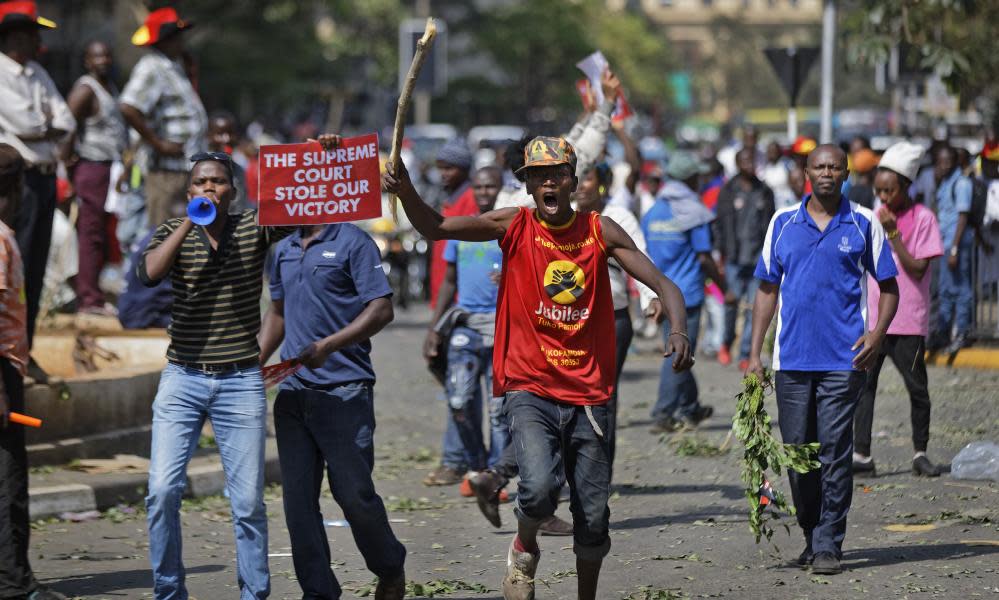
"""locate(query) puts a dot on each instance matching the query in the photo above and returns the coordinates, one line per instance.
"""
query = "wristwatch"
(894, 233)
(953, 250)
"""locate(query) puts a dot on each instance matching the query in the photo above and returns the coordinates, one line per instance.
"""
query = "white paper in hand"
(593, 66)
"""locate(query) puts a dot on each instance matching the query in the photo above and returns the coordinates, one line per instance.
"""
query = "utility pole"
(828, 61)
(421, 98)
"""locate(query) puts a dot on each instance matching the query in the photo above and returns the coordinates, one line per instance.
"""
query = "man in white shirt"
(33, 118)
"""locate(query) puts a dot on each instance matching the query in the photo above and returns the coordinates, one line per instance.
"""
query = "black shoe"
(805, 558)
(487, 486)
(665, 425)
(826, 563)
(391, 588)
(555, 526)
(922, 467)
(864, 469)
(700, 415)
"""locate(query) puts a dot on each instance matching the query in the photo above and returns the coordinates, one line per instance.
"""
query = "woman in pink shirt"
(914, 236)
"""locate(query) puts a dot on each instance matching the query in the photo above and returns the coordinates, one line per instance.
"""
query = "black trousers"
(33, 229)
(907, 352)
(16, 578)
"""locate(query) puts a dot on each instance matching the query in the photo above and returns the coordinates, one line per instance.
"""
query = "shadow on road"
(730, 492)
(708, 515)
(879, 557)
(114, 581)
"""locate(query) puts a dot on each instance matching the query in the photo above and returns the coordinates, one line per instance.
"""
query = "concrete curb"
(967, 358)
(106, 491)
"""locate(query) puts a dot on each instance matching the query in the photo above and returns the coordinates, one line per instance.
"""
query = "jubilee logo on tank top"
(564, 283)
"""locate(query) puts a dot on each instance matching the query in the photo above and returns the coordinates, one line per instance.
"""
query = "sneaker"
(665, 425)
(701, 414)
(443, 475)
(555, 526)
(487, 487)
(826, 563)
(724, 356)
(520, 569)
(805, 558)
(743, 365)
(391, 588)
(44, 593)
(922, 467)
(864, 468)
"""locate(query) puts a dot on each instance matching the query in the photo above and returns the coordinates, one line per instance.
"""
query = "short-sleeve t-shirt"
(325, 286)
(920, 234)
(475, 263)
(13, 304)
(674, 251)
(822, 301)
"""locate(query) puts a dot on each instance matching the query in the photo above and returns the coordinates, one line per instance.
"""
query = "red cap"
(803, 145)
(22, 12)
(159, 24)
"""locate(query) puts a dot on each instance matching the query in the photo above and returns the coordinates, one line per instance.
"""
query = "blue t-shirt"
(953, 198)
(674, 251)
(822, 308)
(475, 262)
(325, 287)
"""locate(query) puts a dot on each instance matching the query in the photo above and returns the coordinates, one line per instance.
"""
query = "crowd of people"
(565, 242)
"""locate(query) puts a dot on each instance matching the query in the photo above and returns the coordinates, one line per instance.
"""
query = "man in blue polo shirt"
(814, 265)
(329, 296)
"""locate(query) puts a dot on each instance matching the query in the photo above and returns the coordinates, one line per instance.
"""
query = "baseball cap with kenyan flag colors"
(548, 151)
(803, 145)
(20, 13)
(159, 25)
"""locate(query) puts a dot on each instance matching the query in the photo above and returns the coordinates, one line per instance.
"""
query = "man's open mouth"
(551, 200)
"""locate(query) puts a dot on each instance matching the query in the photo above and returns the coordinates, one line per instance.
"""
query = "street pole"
(828, 60)
(792, 124)
(421, 98)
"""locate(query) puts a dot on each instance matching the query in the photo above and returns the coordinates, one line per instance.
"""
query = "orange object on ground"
(24, 420)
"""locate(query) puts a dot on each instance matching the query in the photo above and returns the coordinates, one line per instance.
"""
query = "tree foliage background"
(957, 38)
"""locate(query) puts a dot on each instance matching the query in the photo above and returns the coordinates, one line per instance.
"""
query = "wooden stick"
(422, 49)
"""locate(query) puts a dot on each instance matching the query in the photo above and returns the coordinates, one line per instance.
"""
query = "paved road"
(678, 522)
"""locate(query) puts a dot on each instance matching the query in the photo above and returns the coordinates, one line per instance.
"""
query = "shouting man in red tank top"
(554, 357)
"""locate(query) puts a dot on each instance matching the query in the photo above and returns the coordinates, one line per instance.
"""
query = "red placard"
(302, 184)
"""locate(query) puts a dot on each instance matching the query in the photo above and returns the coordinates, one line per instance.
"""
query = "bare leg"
(528, 535)
(587, 574)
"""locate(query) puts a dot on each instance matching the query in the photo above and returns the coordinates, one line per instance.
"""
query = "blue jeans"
(332, 430)
(236, 405)
(818, 406)
(556, 443)
(743, 284)
(470, 367)
(955, 291)
(678, 391)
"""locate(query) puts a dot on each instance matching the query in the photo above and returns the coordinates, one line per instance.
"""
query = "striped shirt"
(160, 90)
(216, 293)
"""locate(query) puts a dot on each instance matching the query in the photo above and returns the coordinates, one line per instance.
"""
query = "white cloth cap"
(903, 158)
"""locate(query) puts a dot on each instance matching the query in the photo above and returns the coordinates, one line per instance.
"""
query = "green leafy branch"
(752, 427)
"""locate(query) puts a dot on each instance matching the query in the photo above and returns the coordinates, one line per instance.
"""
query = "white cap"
(903, 158)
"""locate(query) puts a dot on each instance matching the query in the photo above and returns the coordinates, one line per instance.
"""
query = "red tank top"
(554, 314)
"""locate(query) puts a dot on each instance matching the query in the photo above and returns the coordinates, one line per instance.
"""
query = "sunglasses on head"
(219, 156)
